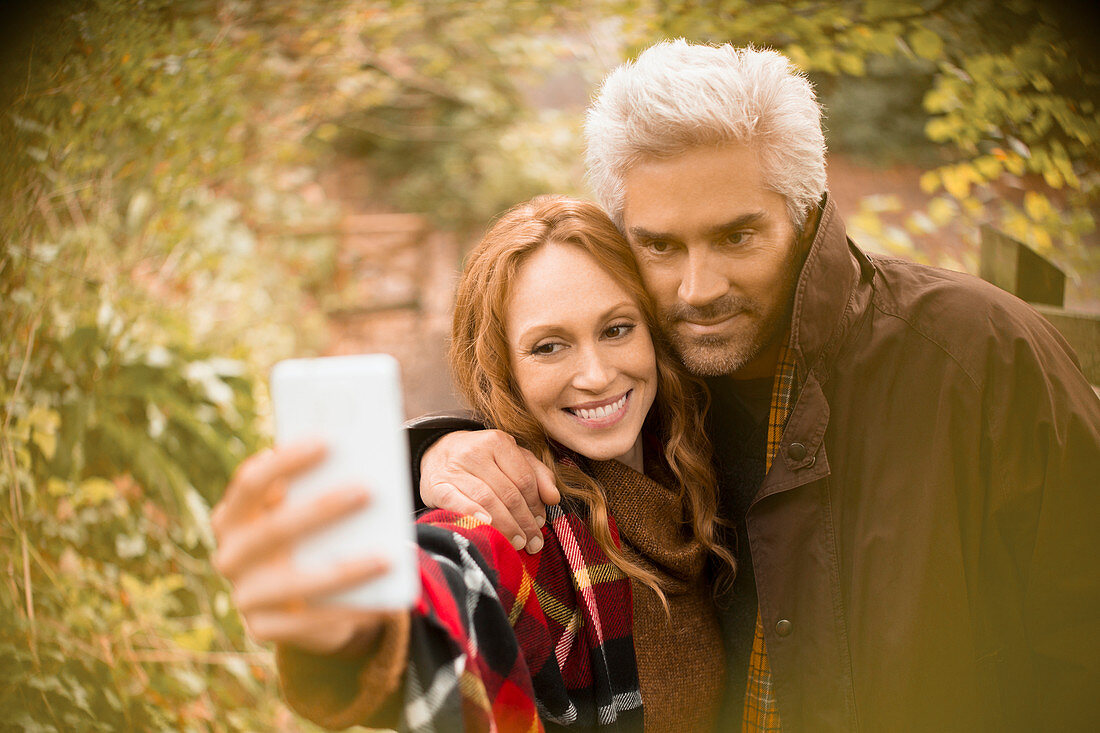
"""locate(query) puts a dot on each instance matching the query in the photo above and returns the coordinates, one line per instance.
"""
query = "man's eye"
(658, 246)
(618, 330)
(735, 238)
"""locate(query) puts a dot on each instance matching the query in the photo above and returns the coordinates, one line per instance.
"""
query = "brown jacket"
(926, 546)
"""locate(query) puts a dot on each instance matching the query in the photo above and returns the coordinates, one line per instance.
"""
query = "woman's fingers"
(243, 545)
(275, 588)
(258, 482)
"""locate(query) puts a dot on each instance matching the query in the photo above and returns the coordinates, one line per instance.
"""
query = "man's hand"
(486, 475)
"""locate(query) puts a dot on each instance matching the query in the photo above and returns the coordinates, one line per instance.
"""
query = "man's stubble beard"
(715, 356)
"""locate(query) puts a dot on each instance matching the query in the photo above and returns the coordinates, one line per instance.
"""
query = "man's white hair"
(677, 96)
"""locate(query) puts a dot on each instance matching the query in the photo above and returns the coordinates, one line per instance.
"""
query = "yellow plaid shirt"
(761, 713)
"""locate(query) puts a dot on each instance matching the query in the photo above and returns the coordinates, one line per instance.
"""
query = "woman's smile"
(602, 413)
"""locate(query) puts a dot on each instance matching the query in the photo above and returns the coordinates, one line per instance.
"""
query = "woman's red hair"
(479, 357)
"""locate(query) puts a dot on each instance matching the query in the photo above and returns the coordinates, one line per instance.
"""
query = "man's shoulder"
(968, 318)
(949, 303)
(908, 287)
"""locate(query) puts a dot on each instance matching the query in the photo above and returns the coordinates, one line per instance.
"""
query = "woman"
(613, 622)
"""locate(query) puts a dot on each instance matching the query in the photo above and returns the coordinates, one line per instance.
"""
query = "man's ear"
(814, 218)
(809, 229)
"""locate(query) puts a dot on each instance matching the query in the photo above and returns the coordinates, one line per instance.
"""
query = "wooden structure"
(392, 291)
(1013, 266)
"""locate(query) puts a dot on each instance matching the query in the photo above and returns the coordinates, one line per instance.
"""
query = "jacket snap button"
(783, 627)
(796, 451)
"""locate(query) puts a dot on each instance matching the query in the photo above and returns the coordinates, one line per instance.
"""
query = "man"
(911, 457)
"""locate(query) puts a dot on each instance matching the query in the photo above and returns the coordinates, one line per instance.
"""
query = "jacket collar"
(832, 291)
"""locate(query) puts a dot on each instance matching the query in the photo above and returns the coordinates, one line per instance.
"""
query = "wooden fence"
(1013, 266)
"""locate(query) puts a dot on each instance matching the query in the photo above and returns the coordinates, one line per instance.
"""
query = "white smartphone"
(354, 405)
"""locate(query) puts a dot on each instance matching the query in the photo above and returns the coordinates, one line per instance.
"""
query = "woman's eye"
(618, 330)
(546, 349)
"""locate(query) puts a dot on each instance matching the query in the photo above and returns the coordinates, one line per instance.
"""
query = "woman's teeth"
(598, 412)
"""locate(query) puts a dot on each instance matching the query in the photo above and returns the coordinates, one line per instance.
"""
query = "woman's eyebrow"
(536, 328)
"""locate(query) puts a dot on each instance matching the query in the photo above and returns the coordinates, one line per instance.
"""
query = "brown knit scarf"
(680, 656)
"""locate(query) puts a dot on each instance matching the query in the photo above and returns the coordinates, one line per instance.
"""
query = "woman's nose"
(594, 372)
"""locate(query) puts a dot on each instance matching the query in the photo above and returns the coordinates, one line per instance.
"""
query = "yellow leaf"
(197, 639)
(1014, 164)
(940, 129)
(1065, 167)
(1036, 205)
(57, 487)
(988, 166)
(929, 181)
(96, 490)
(957, 180)
(926, 44)
(941, 211)
(46, 442)
(823, 59)
(971, 205)
(45, 423)
(869, 222)
(851, 64)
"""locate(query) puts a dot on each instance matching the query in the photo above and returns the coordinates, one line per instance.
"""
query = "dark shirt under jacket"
(737, 424)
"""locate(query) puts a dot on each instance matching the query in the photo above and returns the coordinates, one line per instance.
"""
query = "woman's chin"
(621, 450)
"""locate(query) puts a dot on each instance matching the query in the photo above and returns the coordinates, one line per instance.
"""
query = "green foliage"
(440, 108)
(141, 298)
(113, 448)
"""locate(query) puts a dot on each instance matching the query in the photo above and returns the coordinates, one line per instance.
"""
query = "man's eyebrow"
(642, 233)
(745, 220)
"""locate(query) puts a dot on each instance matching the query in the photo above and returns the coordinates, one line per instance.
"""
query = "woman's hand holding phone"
(256, 531)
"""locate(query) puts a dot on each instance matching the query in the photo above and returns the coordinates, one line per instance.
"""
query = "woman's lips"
(603, 413)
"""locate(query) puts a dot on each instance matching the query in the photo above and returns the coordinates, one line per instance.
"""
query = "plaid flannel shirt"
(761, 714)
(506, 641)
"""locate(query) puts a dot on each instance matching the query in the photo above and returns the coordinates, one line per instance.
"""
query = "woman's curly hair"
(479, 358)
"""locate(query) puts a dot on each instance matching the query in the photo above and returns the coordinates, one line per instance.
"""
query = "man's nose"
(594, 372)
(702, 282)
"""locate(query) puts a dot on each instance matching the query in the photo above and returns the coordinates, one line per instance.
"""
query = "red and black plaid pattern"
(506, 641)
(761, 712)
